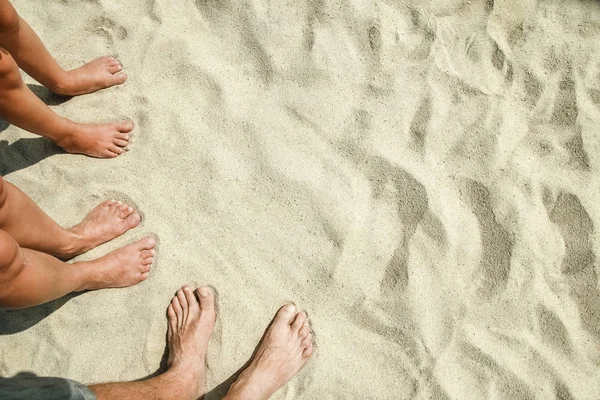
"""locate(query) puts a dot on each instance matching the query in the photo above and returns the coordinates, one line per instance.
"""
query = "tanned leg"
(33, 229)
(284, 350)
(191, 316)
(29, 278)
(20, 107)
(31, 55)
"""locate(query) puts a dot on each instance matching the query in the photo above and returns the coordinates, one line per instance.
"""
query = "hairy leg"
(33, 229)
(284, 350)
(31, 55)
(191, 318)
(20, 107)
(29, 277)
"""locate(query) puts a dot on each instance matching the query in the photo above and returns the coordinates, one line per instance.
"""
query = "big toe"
(286, 314)
(207, 299)
(117, 78)
(124, 127)
(147, 243)
(133, 219)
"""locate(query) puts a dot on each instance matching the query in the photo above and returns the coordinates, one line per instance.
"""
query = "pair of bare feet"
(285, 348)
(96, 140)
(123, 267)
(286, 345)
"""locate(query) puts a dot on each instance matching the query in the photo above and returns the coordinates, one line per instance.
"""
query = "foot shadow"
(27, 152)
(19, 320)
(47, 96)
(24, 152)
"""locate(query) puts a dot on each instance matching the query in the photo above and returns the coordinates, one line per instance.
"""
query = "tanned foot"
(192, 318)
(107, 221)
(284, 350)
(97, 140)
(124, 267)
(98, 74)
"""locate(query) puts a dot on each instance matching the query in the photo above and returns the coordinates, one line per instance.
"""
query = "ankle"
(71, 244)
(246, 387)
(67, 135)
(61, 83)
(83, 275)
(179, 384)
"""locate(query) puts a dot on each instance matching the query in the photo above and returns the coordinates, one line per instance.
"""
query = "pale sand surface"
(421, 176)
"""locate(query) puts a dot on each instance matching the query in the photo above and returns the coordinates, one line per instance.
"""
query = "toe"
(120, 142)
(307, 341)
(122, 135)
(207, 298)
(191, 300)
(148, 253)
(115, 149)
(178, 311)
(125, 126)
(107, 203)
(117, 79)
(149, 242)
(122, 208)
(114, 68)
(134, 219)
(126, 211)
(114, 205)
(304, 330)
(308, 351)
(298, 321)
(172, 320)
(144, 276)
(184, 305)
(148, 261)
(286, 314)
(145, 269)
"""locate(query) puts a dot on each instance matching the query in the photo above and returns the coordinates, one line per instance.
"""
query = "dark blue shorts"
(30, 387)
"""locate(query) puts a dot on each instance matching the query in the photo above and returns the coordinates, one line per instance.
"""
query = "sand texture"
(422, 177)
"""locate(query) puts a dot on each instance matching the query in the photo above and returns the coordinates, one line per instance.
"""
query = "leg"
(191, 318)
(19, 106)
(33, 229)
(284, 350)
(29, 278)
(31, 55)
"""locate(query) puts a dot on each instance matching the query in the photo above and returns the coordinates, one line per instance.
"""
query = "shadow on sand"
(26, 152)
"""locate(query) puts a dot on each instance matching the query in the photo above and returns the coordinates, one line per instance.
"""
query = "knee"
(9, 18)
(7, 63)
(9, 71)
(9, 253)
(2, 192)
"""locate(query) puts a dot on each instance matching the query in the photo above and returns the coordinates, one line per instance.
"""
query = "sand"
(420, 176)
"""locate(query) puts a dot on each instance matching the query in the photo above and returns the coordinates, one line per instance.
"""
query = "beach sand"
(422, 177)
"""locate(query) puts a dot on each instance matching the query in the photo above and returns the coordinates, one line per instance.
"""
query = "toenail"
(290, 308)
(151, 241)
(203, 292)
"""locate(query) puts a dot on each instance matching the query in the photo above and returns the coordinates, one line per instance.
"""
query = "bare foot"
(100, 73)
(124, 267)
(97, 140)
(284, 350)
(191, 323)
(107, 221)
